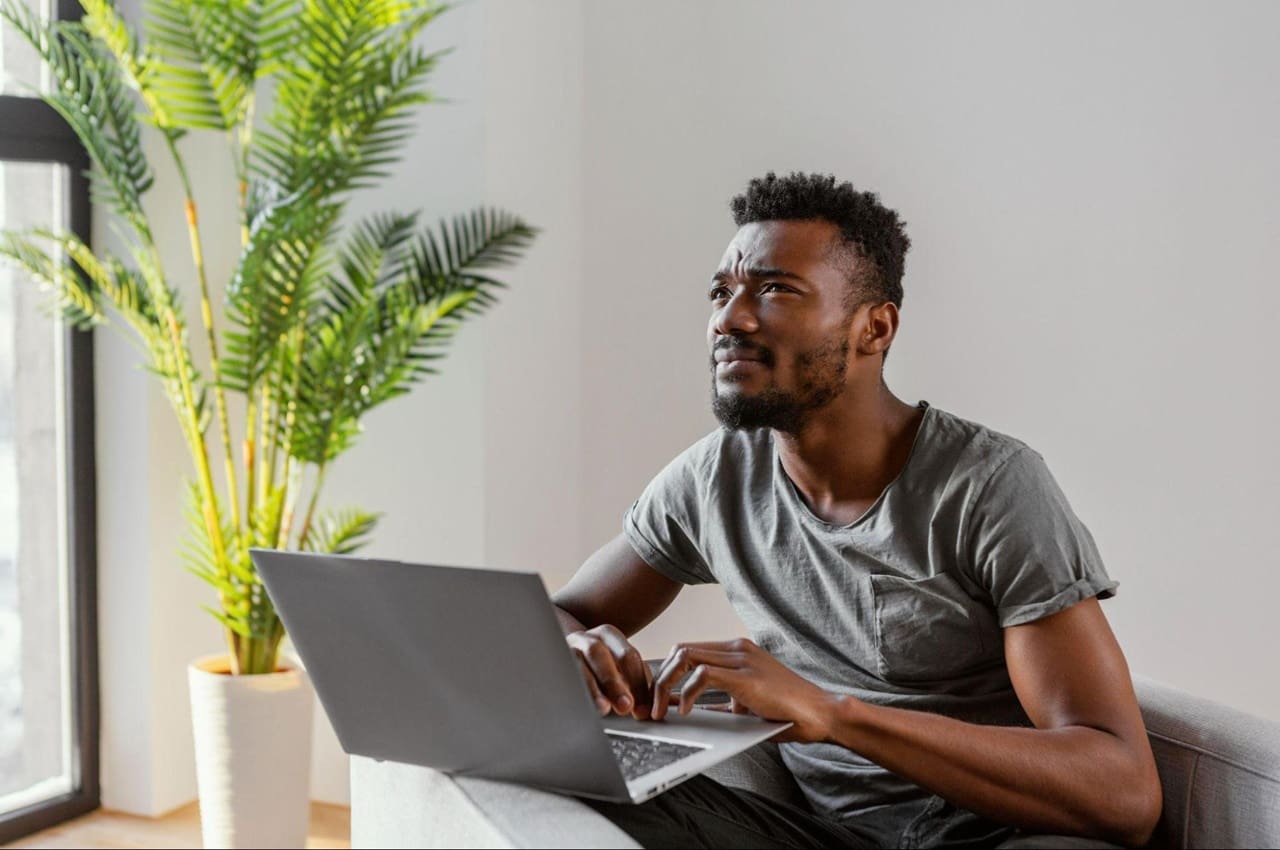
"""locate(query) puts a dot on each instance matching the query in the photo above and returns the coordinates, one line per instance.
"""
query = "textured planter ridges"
(253, 754)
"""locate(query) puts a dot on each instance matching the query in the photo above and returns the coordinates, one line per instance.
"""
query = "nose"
(736, 316)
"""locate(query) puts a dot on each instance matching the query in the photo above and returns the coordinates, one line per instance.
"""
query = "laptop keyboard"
(638, 756)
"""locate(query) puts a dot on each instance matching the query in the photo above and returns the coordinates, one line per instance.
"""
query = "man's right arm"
(613, 595)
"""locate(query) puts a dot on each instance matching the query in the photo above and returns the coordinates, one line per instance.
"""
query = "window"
(48, 629)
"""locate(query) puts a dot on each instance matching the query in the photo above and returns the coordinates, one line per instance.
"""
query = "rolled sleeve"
(1026, 546)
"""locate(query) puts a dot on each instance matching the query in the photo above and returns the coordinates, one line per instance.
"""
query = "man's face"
(779, 328)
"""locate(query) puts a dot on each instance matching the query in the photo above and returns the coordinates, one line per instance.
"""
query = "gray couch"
(1220, 769)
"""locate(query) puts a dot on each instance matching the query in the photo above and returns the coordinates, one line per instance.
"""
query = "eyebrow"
(758, 271)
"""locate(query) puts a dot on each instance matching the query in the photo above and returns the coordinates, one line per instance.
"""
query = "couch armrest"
(403, 805)
(1220, 769)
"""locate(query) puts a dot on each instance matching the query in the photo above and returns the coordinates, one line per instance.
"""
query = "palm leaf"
(90, 94)
(178, 79)
(198, 553)
(84, 286)
(332, 331)
(373, 341)
(340, 103)
(208, 55)
(108, 28)
(104, 279)
(267, 516)
(482, 240)
(245, 606)
(342, 532)
(372, 257)
(276, 280)
(75, 297)
(277, 32)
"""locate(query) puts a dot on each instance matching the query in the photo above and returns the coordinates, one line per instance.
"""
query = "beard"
(820, 380)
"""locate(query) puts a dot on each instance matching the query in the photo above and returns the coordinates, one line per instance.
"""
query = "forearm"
(1074, 779)
(568, 622)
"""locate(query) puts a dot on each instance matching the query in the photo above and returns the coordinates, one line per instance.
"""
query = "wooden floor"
(330, 827)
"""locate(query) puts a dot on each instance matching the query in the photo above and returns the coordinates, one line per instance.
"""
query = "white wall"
(1092, 192)
(533, 406)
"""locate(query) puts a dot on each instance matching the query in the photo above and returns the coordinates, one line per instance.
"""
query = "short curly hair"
(873, 231)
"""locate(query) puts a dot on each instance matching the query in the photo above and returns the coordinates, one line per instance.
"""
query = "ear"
(877, 329)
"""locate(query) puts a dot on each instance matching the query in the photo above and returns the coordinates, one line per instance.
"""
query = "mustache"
(730, 344)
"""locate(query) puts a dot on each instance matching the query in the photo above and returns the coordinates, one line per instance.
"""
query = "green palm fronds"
(341, 105)
(317, 330)
(209, 54)
(76, 298)
(342, 532)
(89, 92)
(387, 321)
(277, 279)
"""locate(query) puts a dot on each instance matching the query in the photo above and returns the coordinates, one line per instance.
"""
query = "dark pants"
(703, 813)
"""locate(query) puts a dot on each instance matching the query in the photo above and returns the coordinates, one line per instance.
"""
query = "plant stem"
(161, 295)
(311, 508)
(201, 456)
(291, 415)
(291, 477)
(273, 653)
(250, 426)
(242, 166)
(206, 315)
(267, 444)
(246, 664)
(291, 486)
(271, 422)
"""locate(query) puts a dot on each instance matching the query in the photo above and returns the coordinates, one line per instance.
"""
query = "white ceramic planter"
(253, 754)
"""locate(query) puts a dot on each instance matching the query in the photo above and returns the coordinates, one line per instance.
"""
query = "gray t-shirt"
(903, 607)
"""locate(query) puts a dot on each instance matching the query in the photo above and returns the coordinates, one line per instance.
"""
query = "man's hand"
(756, 681)
(616, 674)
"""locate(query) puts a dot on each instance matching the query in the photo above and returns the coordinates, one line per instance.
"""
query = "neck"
(851, 450)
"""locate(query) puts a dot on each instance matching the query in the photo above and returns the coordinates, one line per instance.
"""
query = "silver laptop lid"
(464, 670)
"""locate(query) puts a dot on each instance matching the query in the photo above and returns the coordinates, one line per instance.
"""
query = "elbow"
(1145, 825)
(1134, 820)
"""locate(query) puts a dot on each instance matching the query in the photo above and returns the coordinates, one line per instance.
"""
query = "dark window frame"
(31, 131)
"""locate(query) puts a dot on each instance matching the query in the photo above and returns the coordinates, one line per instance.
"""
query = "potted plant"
(324, 319)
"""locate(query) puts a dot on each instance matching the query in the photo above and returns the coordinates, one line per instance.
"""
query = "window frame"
(31, 131)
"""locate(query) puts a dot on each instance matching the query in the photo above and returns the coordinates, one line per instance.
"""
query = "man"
(922, 601)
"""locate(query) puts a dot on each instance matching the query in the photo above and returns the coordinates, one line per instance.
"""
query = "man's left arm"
(1086, 768)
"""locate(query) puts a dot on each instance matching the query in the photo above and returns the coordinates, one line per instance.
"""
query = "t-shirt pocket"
(929, 630)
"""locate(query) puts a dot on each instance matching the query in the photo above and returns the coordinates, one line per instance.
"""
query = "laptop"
(467, 671)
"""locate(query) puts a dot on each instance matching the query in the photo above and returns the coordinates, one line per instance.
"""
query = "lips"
(738, 366)
(732, 355)
(739, 359)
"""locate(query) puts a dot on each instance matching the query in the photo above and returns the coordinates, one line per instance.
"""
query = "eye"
(717, 293)
(775, 285)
